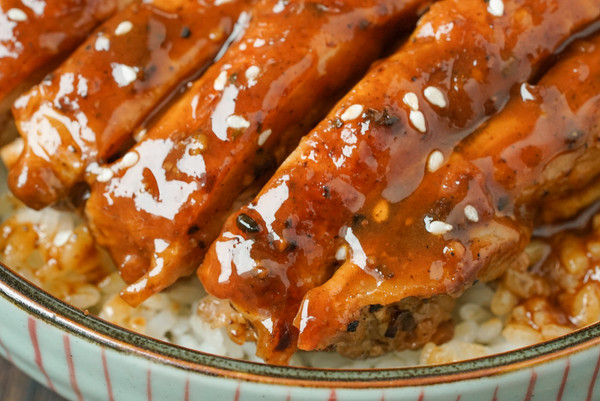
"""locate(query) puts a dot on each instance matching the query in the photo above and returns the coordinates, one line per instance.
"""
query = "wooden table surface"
(16, 386)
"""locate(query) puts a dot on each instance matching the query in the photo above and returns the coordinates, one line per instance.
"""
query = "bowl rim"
(40, 304)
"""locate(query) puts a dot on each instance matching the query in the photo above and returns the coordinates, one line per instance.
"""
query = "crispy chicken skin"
(354, 217)
(84, 112)
(158, 215)
(33, 34)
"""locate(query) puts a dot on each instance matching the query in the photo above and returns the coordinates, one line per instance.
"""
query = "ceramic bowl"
(82, 357)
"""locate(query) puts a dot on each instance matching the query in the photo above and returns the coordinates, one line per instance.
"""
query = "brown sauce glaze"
(158, 215)
(357, 191)
(84, 112)
(33, 34)
(485, 198)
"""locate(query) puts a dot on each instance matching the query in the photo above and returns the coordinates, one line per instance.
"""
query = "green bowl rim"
(38, 303)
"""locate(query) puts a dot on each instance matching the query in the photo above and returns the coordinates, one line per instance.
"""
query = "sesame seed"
(437, 227)
(418, 120)
(130, 159)
(262, 138)
(138, 136)
(435, 161)
(61, 238)
(102, 44)
(252, 72)
(220, 2)
(220, 82)
(259, 42)
(123, 28)
(471, 213)
(237, 122)
(16, 14)
(435, 96)
(496, 8)
(123, 74)
(411, 100)
(104, 174)
(341, 253)
(352, 112)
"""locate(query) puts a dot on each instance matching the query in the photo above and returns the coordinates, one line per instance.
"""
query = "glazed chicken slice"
(341, 206)
(34, 33)
(474, 215)
(87, 109)
(167, 197)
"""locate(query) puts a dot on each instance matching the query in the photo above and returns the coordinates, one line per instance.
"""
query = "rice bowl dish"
(254, 188)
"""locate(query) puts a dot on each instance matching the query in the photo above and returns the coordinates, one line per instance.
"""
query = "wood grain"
(16, 386)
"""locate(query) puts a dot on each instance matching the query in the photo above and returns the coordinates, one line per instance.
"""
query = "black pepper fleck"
(185, 32)
(247, 224)
(381, 117)
(352, 326)
(502, 202)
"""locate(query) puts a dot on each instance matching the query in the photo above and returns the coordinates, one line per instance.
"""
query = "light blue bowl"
(82, 357)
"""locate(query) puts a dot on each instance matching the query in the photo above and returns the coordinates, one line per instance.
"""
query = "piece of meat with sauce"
(34, 34)
(339, 227)
(473, 216)
(87, 109)
(170, 194)
(376, 330)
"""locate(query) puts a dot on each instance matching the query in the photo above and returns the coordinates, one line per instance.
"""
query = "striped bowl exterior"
(84, 358)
